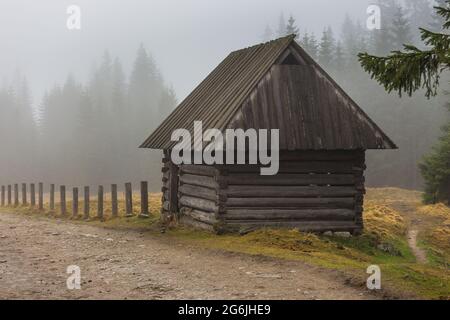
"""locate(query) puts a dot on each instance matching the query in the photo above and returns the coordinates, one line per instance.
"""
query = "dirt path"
(420, 254)
(35, 252)
(409, 211)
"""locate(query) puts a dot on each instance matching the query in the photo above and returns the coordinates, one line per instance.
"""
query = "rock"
(343, 234)
(328, 234)
(389, 248)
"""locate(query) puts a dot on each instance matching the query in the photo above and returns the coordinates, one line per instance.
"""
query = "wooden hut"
(323, 138)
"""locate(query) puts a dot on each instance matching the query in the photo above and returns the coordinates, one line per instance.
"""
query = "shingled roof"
(275, 85)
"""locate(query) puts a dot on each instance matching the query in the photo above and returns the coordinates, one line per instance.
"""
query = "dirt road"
(35, 253)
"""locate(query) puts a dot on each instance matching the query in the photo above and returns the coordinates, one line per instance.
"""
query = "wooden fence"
(10, 197)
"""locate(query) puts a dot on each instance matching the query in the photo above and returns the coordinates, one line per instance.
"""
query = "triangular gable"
(223, 98)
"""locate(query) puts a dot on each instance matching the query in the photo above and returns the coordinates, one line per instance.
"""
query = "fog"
(187, 38)
(75, 104)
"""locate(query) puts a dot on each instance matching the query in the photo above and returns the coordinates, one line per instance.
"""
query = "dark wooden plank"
(197, 203)
(144, 199)
(52, 197)
(173, 188)
(291, 191)
(114, 203)
(62, 195)
(300, 167)
(128, 199)
(100, 203)
(75, 203)
(200, 181)
(293, 214)
(200, 170)
(86, 199)
(24, 194)
(290, 202)
(206, 217)
(200, 192)
(41, 196)
(286, 179)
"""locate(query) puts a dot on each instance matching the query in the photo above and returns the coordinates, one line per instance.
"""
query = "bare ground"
(35, 252)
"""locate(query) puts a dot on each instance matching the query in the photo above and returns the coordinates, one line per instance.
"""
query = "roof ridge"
(288, 39)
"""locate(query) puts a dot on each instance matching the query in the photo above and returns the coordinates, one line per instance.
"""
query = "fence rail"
(11, 191)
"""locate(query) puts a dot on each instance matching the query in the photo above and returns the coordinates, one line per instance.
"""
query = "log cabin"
(323, 136)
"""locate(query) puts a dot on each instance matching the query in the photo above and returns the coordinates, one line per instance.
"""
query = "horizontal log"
(202, 170)
(197, 203)
(202, 216)
(291, 202)
(186, 220)
(339, 155)
(287, 179)
(301, 167)
(293, 215)
(286, 192)
(200, 181)
(199, 192)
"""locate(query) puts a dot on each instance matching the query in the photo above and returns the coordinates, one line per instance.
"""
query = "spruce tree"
(291, 27)
(326, 48)
(410, 70)
(435, 169)
(400, 30)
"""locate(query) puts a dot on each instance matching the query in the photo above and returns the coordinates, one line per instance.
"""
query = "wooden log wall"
(313, 191)
(198, 195)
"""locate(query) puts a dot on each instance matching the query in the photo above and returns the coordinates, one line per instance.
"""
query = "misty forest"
(88, 132)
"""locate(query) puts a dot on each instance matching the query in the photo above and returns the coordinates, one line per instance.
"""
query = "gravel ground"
(36, 251)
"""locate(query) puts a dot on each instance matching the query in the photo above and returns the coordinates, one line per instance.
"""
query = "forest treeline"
(85, 133)
(414, 123)
(88, 133)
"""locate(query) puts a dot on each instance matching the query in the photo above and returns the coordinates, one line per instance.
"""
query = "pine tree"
(437, 21)
(291, 27)
(339, 64)
(326, 48)
(309, 44)
(167, 103)
(313, 46)
(435, 169)
(420, 15)
(410, 70)
(400, 30)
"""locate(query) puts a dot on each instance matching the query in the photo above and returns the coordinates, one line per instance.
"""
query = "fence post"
(144, 200)
(24, 194)
(32, 195)
(75, 203)
(41, 196)
(52, 197)
(100, 203)
(115, 209)
(3, 196)
(16, 195)
(62, 194)
(9, 194)
(86, 203)
(129, 199)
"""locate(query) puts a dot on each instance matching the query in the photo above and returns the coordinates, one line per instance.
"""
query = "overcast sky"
(186, 37)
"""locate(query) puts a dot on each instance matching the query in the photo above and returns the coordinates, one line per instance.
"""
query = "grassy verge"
(383, 243)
